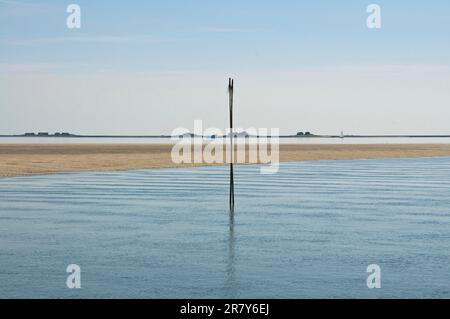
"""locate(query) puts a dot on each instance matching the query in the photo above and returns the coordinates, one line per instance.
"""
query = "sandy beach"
(35, 159)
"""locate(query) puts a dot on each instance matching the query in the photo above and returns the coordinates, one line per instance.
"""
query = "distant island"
(66, 134)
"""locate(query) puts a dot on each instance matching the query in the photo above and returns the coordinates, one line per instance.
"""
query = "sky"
(149, 67)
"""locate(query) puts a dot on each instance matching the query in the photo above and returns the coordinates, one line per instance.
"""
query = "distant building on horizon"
(62, 134)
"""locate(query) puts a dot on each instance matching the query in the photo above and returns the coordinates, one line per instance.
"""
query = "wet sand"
(35, 159)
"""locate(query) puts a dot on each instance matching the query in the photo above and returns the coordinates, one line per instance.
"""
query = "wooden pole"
(230, 93)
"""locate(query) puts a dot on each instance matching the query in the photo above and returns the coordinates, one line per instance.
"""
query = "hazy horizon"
(147, 68)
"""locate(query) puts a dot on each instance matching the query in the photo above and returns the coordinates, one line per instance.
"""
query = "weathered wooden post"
(230, 94)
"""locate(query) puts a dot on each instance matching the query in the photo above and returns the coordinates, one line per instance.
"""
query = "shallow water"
(155, 140)
(309, 231)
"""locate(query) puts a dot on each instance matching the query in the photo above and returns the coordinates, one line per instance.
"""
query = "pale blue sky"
(150, 66)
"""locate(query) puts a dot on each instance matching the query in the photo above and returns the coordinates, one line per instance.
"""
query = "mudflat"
(35, 159)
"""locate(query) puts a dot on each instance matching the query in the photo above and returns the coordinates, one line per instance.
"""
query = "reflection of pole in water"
(230, 280)
(230, 94)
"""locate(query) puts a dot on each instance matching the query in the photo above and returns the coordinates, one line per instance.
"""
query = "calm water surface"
(133, 140)
(308, 231)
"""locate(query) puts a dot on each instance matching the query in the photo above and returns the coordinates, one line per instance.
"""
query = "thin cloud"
(16, 3)
(28, 68)
(20, 8)
(112, 39)
(224, 30)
